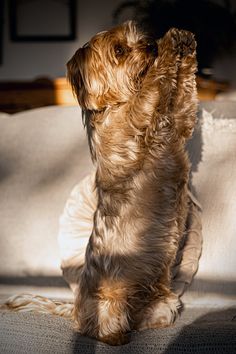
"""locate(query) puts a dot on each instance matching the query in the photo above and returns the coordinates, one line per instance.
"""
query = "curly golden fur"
(140, 108)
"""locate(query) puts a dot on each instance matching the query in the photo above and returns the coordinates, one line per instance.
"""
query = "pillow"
(213, 155)
(43, 154)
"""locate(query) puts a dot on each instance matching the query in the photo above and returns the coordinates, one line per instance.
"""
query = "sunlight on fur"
(139, 101)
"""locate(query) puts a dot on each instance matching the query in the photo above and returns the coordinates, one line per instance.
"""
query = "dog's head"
(110, 67)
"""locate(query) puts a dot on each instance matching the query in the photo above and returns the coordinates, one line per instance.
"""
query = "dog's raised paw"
(188, 43)
(183, 42)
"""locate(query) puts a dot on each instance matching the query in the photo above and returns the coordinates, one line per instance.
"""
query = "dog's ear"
(87, 117)
(74, 75)
(88, 79)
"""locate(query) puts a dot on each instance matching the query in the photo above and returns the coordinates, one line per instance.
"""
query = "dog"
(139, 102)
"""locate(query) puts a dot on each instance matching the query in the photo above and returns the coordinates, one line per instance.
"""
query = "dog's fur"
(139, 109)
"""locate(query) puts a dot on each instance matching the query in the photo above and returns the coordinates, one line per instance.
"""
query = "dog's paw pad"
(174, 34)
(188, 43)
(183, 42)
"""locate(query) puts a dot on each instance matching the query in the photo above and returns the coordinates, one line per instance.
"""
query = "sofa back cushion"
(43, 154)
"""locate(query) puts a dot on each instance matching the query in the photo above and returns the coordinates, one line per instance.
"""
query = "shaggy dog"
(139, 102)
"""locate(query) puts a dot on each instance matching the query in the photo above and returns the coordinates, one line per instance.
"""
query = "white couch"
(44, 153)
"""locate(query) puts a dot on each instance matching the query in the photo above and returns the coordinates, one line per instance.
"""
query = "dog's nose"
(152, 48)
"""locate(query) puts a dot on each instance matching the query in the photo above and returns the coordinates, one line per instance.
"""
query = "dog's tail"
(39, 304)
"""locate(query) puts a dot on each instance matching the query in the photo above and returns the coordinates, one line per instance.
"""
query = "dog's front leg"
(169, 81)
(173, 117)
(176, 68)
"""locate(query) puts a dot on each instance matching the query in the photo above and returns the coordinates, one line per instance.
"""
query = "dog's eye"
(119, 50)
(152, 48)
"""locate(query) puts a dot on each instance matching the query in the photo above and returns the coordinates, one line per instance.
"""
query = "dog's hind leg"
(160, 312)
(104, 313)
(162, 307)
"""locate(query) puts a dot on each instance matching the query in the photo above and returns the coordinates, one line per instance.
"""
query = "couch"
(43, 154)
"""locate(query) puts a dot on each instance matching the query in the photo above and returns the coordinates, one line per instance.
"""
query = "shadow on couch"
(197, 331)
(214, 332)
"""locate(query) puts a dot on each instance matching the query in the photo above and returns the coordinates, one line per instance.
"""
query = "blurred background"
(38, 37)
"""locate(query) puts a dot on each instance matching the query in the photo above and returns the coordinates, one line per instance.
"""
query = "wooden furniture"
(208, 89)
(16, 96)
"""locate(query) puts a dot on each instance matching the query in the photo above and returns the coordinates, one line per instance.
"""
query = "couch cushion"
(212, 151)
(43, 153)
(201, 331)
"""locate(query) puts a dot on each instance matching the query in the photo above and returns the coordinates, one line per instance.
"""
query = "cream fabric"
(214, 181)
(77, 220)
(213, 153)
(197, 331)
(44, 154)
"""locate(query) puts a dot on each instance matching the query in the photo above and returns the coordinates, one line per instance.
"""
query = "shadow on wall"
(220, 288)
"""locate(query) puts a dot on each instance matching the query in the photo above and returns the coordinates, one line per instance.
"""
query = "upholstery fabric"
(43, 155)
(212, 151)
(201, 331)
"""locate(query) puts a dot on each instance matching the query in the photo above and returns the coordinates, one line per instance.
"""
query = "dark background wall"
(29, 60)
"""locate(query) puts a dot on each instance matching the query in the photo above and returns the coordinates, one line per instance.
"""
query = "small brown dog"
(140, 108)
